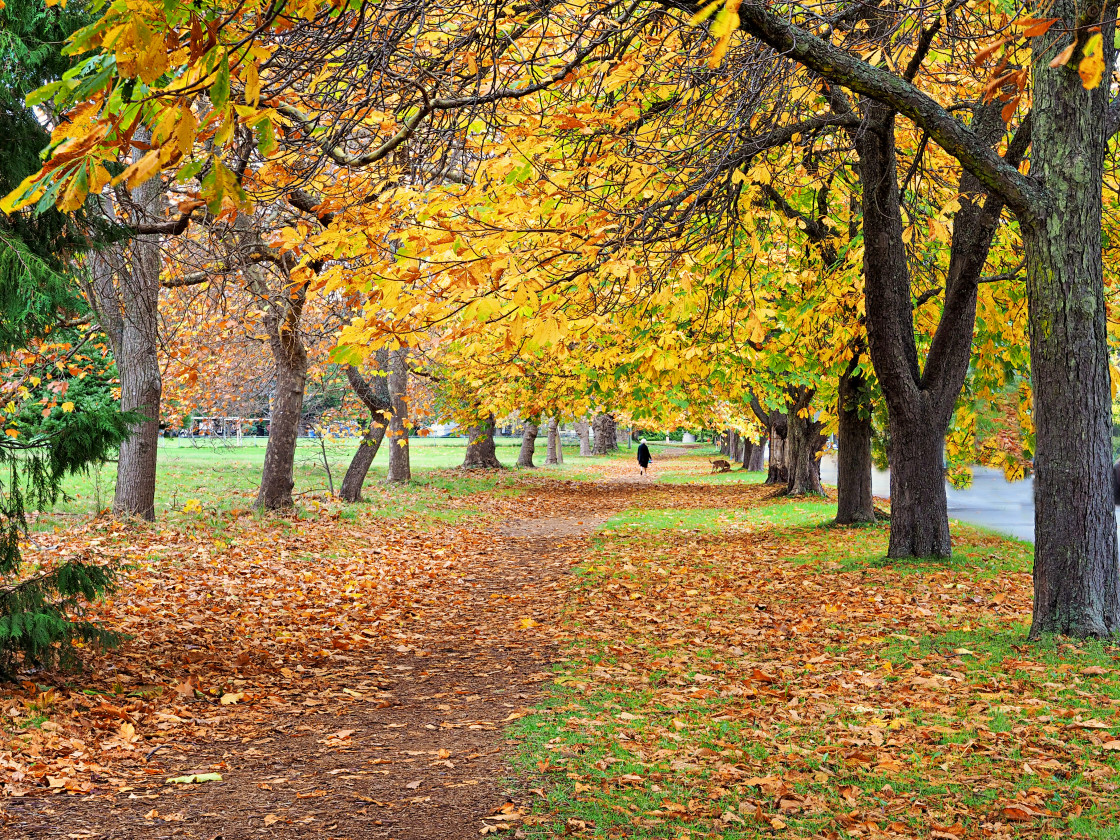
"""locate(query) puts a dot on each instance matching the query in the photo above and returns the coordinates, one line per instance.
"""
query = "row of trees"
(774, 219)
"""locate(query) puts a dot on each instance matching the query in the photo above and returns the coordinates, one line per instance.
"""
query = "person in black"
(643, 458)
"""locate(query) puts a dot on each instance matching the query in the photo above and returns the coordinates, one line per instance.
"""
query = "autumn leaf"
(1091, 66)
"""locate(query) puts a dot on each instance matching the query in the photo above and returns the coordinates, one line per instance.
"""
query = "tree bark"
(123, 290)
(528, 444)
(854, 502)
(481, 453)
(355, 478)
(748, 450)
(554, 456)
(282, 314)
(803, 443)
(583, 429)
(138, 363)
(756, 463)
(777, 427)
(375, 396)
(400, 468)
(920, 402)
(605, 443)
(725, 443)
(732, 445)
(1076, 572)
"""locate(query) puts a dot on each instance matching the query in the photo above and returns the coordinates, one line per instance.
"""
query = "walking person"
(643, 458)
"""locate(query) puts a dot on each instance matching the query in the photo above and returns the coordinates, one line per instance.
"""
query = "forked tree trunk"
(528, 444)
(854, 502)
(282, 313)
(481, 453)
(583, 429)
(554, 454)
(400, 468)
(375, 397)
(1076, 574)
(803, 442)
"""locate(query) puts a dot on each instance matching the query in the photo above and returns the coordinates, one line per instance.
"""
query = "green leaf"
(219, 92)
(195, 779)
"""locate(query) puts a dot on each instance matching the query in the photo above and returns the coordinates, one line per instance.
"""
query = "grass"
(212, 479)
(659, 726)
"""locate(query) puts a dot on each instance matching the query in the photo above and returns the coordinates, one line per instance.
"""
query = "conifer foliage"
(58, 415)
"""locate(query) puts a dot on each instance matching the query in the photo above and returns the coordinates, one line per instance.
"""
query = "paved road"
(991, 501)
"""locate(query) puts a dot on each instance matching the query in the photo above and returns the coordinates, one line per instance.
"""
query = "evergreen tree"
(59, 416)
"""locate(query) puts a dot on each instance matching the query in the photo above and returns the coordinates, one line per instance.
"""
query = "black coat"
(643, 455)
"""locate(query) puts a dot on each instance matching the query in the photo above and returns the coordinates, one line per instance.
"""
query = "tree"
(400, 470)
(1077, 574)
(528, 442)
(480, 454)
(375, 397)
(59, 415)
(555, 453)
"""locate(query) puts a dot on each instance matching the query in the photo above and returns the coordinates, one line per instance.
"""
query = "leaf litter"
(728, 667)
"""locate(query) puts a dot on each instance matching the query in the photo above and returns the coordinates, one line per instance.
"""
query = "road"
(992, 501)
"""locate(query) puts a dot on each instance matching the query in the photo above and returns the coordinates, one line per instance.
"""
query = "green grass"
(218, 475)
(601, 721)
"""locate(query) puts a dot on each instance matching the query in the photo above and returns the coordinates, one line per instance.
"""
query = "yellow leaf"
(705, 13)
(68, 407)
(140, 171)
(252, 85)
(12, 433)
(1091, 67)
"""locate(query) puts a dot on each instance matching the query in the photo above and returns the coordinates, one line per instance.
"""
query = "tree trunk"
(732, 445)
(1076, 574)
(553, 456)
(282, 313)
(778, 470)
(375, 397)
(583, 429)
(528, 444)
(603, 425)
(140, 375)
(919, 402)
(803, 443)
(748, 450)
(854, 502)
(919, 510)
(725, 443)
(481, 454)
(611, 426)
(756, 463)
(355, 478)
(123, 290)
(400, 468)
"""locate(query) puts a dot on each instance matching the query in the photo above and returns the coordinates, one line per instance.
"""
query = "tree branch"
(1021, 193)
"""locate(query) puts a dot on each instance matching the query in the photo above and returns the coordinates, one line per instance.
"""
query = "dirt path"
(411, 747)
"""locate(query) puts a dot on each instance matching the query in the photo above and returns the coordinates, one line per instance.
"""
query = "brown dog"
(720, 466)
